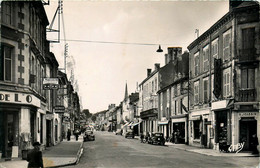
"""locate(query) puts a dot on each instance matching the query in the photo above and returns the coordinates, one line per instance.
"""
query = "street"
(109, 150)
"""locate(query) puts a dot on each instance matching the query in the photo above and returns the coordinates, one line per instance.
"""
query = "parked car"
(89, 136)
(156, 138)
(129, 134)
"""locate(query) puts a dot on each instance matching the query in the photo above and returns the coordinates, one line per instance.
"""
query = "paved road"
(109, 150)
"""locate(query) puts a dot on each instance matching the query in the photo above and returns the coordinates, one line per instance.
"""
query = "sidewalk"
(205, 151)
(209, 152)
(63, 154)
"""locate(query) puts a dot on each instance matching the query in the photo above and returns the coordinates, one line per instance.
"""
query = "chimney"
(166, 58)
(149, 72)
(156, 66)
(234, 4)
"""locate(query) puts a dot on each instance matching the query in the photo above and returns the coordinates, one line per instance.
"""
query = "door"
(248, 127)
(11, 132)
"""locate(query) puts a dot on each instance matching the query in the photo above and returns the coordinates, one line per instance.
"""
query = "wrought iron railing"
(247, 95)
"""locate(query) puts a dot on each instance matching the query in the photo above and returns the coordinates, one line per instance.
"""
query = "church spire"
(126, 92)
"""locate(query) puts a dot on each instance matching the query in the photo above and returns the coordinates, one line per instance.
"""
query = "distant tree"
(87, 113)
(93, 118)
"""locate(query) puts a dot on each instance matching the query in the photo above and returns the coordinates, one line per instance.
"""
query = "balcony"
(149, 113)
(247, 95)
(247, 55)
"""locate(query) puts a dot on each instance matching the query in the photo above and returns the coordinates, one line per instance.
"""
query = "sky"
(111, 43)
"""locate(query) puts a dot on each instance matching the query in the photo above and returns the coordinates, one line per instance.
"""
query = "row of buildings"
(37, 101)
(209, 95)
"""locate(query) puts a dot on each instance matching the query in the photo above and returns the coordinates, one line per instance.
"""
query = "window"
(177, 107)
(173, 107)
(206, 58)
(205, 90)
(155, 85)
(248, 78)
(227, 45)
(178, 89)
(6, 63)
(168, 97)
(196, 92)
(214, 50)
(152, 86)
(196, 129)
(248, 38)
(227, 82)
(7, 12)
(196, 63)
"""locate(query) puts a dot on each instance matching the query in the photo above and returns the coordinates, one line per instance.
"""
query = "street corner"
(58, 161)
(47, 162)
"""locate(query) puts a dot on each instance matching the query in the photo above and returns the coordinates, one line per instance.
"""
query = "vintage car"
(89, 136)
(156, 138)
(129, 134)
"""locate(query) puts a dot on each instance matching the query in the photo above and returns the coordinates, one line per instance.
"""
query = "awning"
(126, 124)
(134, 124)
(130, 124)
(195, 118)
(163, 122)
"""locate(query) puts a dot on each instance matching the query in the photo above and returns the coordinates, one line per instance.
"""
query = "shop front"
(248, 124)
(179, 129)
(164, 128)
(18, 122)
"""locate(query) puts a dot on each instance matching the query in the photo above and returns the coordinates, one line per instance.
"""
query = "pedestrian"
(34, 156)
(76, 135)
(142, 137)
(68, 135)
(254, 144)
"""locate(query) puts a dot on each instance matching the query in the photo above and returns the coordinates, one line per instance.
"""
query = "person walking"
(76, 135)
(34, 156)
(68, 135)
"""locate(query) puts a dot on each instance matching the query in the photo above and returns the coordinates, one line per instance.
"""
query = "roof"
(224, 19)
(153, 73)
(169, 73)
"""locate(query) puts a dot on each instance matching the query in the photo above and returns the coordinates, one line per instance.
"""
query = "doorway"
(248, 127)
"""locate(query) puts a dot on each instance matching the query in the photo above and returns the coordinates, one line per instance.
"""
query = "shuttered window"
(214, 50)
(248, 78)
(196, 63)
(227, 82)
(206, 58)
(248, 38)
(196, 92)
(205, 90)
(227, 45)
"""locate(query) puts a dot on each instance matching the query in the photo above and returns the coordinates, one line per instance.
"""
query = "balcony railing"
(246, 55)
(247, 95)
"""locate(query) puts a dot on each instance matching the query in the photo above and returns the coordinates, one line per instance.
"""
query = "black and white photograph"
(130, 83)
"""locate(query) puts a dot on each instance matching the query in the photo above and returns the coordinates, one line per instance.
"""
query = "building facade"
(149, 101)
(224, 66)
(173, 96)
(23, 101)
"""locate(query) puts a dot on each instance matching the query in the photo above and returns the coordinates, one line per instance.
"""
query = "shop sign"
(19, 98)
(59, 109)
(49, 116)
(247, 114)
(66, 114)
(50, 83)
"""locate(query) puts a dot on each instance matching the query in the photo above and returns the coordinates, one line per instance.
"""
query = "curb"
(79, 153)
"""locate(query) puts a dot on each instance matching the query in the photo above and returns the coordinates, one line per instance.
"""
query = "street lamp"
(159, 50)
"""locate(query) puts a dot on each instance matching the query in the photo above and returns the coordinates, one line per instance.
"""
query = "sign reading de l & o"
(19, 98)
